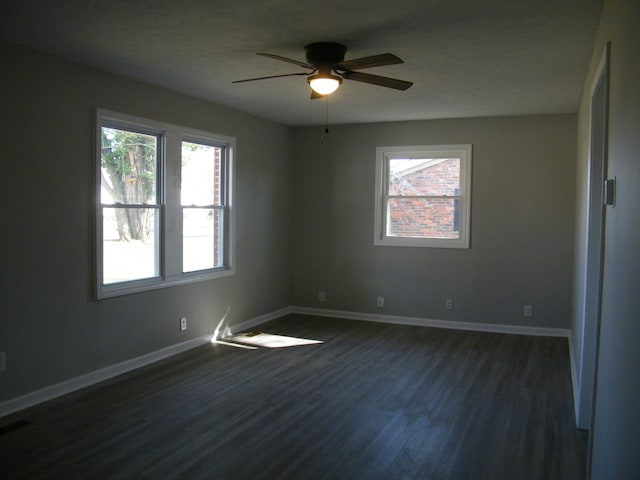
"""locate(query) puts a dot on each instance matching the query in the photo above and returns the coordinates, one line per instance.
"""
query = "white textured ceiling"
(466, 58)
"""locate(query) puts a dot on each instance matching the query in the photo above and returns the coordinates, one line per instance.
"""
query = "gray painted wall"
(521, 235)
(51, 328)
(616, 424)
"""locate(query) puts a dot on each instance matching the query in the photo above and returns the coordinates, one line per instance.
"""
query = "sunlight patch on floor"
(231, 344)
(268, 340)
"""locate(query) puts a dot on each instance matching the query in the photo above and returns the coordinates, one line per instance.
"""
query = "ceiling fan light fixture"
(324, 83)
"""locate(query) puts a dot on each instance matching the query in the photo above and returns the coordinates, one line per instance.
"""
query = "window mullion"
(454, 197)
(172, 231)
(131, 205)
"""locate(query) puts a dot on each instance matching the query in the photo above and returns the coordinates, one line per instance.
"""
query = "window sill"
(459, 243)
(139, 286)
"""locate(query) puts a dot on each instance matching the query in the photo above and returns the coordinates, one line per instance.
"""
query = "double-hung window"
(164, 205)
(423, 196)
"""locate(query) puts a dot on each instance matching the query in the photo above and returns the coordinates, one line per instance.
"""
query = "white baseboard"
(91, 378)
(425, 322)
(48, 393)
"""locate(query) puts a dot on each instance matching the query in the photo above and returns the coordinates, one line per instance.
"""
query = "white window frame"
(170, 262)
(383, 155)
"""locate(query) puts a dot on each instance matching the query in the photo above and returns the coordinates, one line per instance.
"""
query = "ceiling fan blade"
(270, 76)
(368, 62)
(377, 80)
(285, 59)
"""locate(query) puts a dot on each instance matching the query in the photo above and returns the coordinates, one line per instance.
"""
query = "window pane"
(423, 217)
(200, 184)
(424, 177)
(130, 244)
(202, 238)
(128, 165)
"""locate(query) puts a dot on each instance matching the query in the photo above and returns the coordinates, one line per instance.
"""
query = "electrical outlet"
(528, 311)
(380, 302)
(183, 324)
(321, 296)
(3, 361)
(448, 304)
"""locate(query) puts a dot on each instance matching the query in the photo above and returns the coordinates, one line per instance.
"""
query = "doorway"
(595, 242)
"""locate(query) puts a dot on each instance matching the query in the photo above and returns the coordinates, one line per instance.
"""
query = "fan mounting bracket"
(325, 54)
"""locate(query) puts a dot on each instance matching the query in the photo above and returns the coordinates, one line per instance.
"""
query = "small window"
(164, 205)
(423, 196)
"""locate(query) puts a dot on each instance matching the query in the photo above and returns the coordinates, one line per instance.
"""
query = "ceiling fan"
(327, 68)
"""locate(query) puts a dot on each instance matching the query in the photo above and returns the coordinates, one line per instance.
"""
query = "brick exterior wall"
(425, 217)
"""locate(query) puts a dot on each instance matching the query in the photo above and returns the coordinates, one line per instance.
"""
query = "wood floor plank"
(372, 401)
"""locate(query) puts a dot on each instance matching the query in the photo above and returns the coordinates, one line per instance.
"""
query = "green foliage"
(129, 158)
(129, 162)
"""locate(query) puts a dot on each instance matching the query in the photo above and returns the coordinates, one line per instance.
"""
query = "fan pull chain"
(326, 124)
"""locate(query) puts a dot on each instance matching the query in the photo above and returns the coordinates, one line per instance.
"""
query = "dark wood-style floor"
(373, 401)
